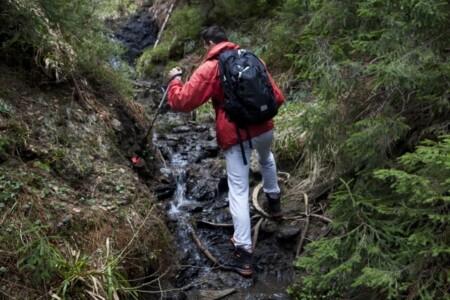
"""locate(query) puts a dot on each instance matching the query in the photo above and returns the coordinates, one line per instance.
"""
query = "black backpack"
(249, 97)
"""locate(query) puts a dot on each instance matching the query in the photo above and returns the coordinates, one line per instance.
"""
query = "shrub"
(61, 38)
(390, 239)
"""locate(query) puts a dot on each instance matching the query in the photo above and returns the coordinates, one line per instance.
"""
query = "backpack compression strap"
(238, 133)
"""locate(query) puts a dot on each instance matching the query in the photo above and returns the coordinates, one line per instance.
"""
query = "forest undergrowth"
(365, 129)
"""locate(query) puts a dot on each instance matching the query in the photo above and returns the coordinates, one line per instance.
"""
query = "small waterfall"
(179, 198)
(180, 216)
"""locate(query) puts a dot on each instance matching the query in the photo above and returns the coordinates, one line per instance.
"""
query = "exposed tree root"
(83, 100)
(203, 248)
(265, 215)
(255, 201)
(263, 218)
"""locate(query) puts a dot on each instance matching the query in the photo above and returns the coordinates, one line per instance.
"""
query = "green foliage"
(5, 108)
(116, 8)
(289, 144)
(178, 39)
(182, 34)
(62, 38)
(4, 149)
(39, 256)
(392, 246)
(102, 279)
(9, 188)
(233, 12)
(424, 180)
(146, 64)
(205, 113)
(374, 68)
(182, 30)
(96, 54)
(368, 142)
(380, 80)
(75, 275)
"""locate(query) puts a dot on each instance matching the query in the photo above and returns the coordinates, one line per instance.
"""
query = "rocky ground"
(194, 194)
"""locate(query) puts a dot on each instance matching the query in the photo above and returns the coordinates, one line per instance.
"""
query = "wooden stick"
(255, 234)
(163, 25)
(158, 151)
(311, 215)
(214, 224)
(322, 218)
(305, 229)
(201, 247)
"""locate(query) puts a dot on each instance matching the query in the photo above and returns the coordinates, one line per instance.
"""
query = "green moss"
(147, 63)
(4, 149)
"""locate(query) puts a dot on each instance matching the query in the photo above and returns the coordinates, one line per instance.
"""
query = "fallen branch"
(301, 216)
(202, 248)
(7, 213)
(321, 217)
(163, 25)
(305, 229)
(265, 214)
(214, 224)
(256, 232)
(142, 84)
(158, 151)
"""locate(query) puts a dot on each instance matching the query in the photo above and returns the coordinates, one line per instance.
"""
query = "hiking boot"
(239, 261)
(273, 206)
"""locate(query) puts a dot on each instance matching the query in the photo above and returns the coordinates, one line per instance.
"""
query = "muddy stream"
(197, 210)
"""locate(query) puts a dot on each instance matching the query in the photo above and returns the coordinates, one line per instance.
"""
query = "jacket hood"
(219, 48)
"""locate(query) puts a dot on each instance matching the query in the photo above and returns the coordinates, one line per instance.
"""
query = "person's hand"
(175, 73)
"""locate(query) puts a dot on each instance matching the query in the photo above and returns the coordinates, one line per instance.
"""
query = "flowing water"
(197, 198)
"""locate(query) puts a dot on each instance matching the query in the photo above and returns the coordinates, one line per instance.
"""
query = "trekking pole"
(158, 109)
(156, 115)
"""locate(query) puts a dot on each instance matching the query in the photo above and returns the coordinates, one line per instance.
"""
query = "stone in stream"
(211, 294)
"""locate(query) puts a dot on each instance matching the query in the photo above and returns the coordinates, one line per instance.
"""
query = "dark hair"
(214, 33)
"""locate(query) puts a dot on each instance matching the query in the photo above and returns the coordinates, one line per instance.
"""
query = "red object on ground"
(136, 160)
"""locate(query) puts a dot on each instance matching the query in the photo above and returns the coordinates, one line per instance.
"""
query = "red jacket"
(205, 84)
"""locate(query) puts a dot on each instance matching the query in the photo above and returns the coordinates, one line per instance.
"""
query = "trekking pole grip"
(174, 76)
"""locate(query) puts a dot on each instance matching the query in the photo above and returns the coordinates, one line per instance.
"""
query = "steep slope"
(72, 208)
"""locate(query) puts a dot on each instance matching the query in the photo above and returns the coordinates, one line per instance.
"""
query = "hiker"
(204, 84)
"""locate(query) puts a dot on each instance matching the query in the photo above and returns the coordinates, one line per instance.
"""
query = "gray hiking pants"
(238, 183)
